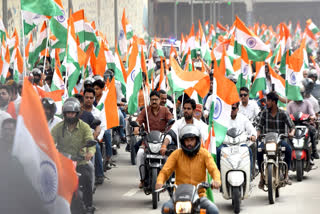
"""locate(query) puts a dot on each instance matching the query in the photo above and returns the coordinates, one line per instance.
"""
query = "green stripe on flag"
(133, 100)
(254, 55)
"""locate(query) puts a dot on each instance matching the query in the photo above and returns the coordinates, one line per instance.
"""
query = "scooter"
(186, 198)
(301, 145)
(235, 168)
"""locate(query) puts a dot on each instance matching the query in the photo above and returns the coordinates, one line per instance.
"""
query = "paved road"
(121, 195)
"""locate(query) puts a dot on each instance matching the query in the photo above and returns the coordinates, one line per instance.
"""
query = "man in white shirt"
(189, 107)
(242, 123)
(248, 108)
(3, 115)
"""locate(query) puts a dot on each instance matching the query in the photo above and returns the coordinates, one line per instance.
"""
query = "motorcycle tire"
(271, 186)
(155, 195)
(236, 199)
(277, 192)
(299, 167)
(132, 150)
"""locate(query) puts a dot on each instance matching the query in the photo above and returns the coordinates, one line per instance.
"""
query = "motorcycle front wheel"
(155, 195)
(132, 150)
(236, 199)
(271, 184)
(299, 167)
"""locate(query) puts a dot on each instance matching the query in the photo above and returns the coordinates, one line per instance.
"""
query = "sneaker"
(90, 210)
(141, 185)
(315, 155)
(261, 184)
(127, 148)
(99, 180)
(288, 181)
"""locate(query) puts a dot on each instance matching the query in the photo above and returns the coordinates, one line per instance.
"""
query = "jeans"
(140, 161)
(313, 136)
(98, 165)
(85, 181)
(287, 158)
(205, 203)
(122, 124)
(219, 154)
(108, 143)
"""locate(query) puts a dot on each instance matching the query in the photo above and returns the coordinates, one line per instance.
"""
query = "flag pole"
(145, 106)
(23, 47)
(45, 52)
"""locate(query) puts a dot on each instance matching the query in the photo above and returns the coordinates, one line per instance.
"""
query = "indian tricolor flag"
(112, 118)
(212, 35)
(18, 65)
(41, 7)
(3, 35)
(225, 61)
(226, 95)
(5, 66)
(311, 26)
(188, 66)
(40, 46)
(256, 49)
(59, 27)
(205, 52)
(278, 82)
(244, 78)
(191, 45)
(72, 59)
(83, 28)
(120, 72)
(298, 32)
(57, 80)
(52, 175)
(180, 80)
(294, 74)
(134, 78)
(31, 20)
(259, 82)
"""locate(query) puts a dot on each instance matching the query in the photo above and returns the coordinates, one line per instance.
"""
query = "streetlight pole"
(210, 6)
(115, 21)
(203, 11)
(218, 10)
(5, 13)
(191, 12)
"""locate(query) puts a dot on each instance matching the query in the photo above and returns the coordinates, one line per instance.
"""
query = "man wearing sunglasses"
(242, 123)
(248, 108)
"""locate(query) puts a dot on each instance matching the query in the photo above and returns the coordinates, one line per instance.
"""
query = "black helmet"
(108, 75)
(313, 74)
(71, 104)
(36, 72)
(186, 132)
(97, 77)
(49, 104)
(88, 82)
(308, 85)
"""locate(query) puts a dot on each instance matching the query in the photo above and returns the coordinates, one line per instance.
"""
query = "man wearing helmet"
(190, 163)
(70, 136)
(50, 109)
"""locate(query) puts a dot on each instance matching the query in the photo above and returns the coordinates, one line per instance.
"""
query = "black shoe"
(90, 210)
(106, 166)
(315, 155)
(99, 180)
(127, 148)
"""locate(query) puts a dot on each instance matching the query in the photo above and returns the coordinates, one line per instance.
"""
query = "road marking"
(131, 192)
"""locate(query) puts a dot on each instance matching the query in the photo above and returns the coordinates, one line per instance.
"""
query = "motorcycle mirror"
(134, 124)
(91, 143)
(170, 122)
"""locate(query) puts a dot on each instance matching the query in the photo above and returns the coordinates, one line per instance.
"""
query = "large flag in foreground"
(52, 175)
(42, 7)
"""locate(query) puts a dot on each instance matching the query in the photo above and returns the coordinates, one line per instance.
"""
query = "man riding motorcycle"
(275, 120)
(50, 109)
(249, 108)
(190, 164)
(189, 107)
(70, 136)
(158, 117)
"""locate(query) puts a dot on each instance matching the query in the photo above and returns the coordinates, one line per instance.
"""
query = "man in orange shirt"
(190, 164)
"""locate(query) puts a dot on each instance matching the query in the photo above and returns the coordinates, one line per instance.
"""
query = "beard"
(72, 120)
(187, 116)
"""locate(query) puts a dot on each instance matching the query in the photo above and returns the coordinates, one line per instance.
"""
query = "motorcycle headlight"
(271, 147)
(155, 147)
(183, 207)
(298, 143)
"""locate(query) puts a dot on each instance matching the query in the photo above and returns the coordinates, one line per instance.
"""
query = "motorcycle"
(131, 138)
(186, 198)
(235, 167)
(153, 161)
(301, 145)
(274, 168)
(77, 205)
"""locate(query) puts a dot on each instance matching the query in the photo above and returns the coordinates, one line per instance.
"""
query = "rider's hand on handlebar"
(163, 150)
(253, 138)
(215, 185)
(136, 130)
(159, 186)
